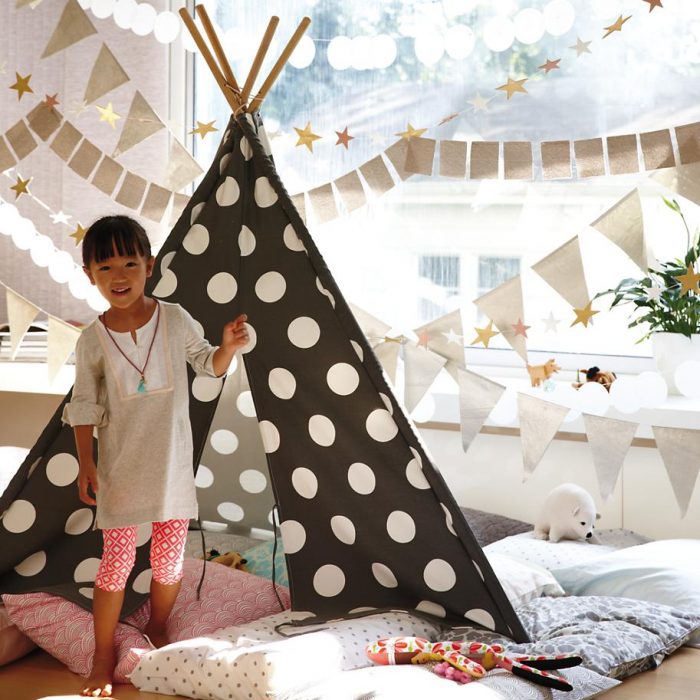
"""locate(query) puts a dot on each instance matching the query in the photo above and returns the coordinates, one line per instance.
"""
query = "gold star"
(584, 315)
(513, 86)
(550, 65)
(484, 335)
(653, 4)
(306, 137)
(20, 187)
(22, 85)
(615, 26)
(581, 47)
(107, 114)
(50, 102)
(204, 128)
(411, 133)
(344, 138)
(689, 281)
(78, 234)
(520, 328)
(480, 103)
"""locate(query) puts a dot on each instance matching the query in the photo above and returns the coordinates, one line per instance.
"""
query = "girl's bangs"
(124, 241)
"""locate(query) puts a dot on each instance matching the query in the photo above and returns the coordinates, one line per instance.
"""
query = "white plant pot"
(671, 350)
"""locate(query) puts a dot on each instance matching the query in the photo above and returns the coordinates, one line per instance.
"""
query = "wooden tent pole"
(259, 57)
(230, 96)
(277, 68)
(216, 45)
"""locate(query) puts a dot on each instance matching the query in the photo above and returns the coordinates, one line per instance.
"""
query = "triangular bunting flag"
(106, 75)
(20, 314)
(444, 336)
(504, 306)
(477, 397)
(563, 271)
(684, 179)
(141, 123)
(374, 329)
(62, 340)
(610, 440)
(73, 26)
(388, 355)
(421, 366)
(680, 451)
(539, 422)
(624, 226)
(182, 167)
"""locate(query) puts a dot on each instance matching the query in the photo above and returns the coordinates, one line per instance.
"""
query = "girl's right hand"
(87, 477)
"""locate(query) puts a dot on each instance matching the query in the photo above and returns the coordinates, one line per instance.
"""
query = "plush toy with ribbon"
(465, 661)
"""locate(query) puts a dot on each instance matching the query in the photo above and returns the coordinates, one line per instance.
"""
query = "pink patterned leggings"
(119, 552)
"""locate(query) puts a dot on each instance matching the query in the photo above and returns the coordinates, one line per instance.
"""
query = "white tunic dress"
(144, 467)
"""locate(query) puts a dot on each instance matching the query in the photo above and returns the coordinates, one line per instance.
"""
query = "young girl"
(131, 383)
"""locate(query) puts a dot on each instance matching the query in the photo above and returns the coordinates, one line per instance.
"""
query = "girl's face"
(121, 279)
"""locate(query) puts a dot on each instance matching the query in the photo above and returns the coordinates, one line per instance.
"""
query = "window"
(438, 282)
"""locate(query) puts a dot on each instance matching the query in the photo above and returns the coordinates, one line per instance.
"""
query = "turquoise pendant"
(142, 386)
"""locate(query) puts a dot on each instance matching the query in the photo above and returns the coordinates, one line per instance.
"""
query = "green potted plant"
(668, 300)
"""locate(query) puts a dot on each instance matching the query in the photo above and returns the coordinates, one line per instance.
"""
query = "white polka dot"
(253, 481)
(79, 521)
(228, 192)
(62, 469)
(244, 403)
(343, 529)
(430, 608)
(252, 339)
(415, 475)
(142, 583)
(166, 260)
(222, 287)
(303, 332)
(233, 366)
(358, 349)
(362, 609)
(291, 240)
(270, 436)
(196, 211)
(20, 516)
(322, 430)
(293, 536)
(387, 402)
(304, 482)
(439, 575)
(481, 617)
(38, 459)
(206, 388)
(196, 240)
(343, 378)
(448, 519)
(400, 527)
(265, 196)
(380, 425)
(224, 162)
(246, 241)
(478, 569)
(86, 570)
(86, 592)
(270, 287)
(384, 575)
(230, 511)
(329, 580)
(325, 292)
(282, 383)
(204, 478)
(143, 534)
(166, 286)
(32, 565)
(246, 148)
(224, 441)
(361, 478)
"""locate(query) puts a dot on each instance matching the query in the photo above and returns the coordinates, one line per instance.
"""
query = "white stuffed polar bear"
(568, 513)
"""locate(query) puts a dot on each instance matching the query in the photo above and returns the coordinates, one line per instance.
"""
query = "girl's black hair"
(110, 232)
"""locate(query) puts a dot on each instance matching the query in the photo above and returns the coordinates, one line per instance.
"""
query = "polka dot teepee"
(366, 519)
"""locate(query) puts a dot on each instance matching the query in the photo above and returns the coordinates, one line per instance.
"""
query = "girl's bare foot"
(157, 635)
(99, 683)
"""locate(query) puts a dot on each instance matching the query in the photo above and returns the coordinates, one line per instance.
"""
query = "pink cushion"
(13, 644)
(64, 629)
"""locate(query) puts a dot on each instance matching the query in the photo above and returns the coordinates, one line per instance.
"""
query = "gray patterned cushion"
(489, 527)
(616, 637)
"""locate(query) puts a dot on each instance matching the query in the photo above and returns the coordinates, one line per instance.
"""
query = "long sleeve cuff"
(84, 413)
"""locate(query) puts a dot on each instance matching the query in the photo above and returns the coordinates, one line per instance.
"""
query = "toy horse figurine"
(465, 661)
